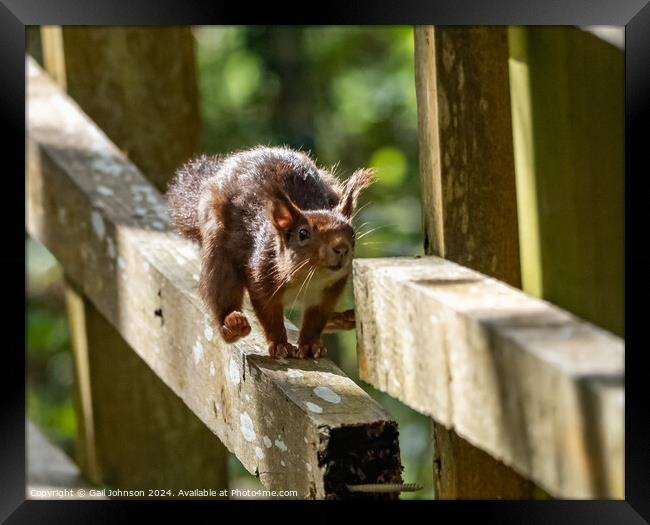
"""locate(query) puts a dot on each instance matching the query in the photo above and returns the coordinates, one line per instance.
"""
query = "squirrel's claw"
(282, 349)
(315, 350)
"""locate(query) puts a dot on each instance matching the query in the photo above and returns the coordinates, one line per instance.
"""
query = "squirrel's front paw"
(314, 349)
(282, 349)
(235, 325)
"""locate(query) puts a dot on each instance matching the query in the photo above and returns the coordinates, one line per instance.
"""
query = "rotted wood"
(298, 424)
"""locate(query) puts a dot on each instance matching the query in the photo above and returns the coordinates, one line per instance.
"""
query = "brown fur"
(269, 221)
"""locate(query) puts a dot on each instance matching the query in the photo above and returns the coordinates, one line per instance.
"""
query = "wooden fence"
(526, 399)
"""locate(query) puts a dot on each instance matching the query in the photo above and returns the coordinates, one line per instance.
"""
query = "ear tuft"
(359, 180)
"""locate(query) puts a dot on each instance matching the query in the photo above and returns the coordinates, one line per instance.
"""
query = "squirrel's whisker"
(309, 282)
(359, 210)
(287, 279)
(311, 270)
(309, 278)
(372, 231)
(356, 230)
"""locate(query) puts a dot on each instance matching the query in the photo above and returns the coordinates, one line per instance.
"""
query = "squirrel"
(270, 221)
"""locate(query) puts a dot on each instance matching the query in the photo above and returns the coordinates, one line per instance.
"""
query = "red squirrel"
(270, 221)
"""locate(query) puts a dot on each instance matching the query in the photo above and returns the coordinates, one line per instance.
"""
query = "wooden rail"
(298, 424)
(529, 383)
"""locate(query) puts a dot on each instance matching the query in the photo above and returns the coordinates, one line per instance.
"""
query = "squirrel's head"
(318, 239)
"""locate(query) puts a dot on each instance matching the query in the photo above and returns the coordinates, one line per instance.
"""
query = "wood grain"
(138, 84)
(466, 154)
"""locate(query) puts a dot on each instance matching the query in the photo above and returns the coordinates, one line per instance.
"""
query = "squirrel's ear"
(359, 180)
(283, 211)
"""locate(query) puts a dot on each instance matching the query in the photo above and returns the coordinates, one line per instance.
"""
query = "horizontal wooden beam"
(298, 424)
(532, 385)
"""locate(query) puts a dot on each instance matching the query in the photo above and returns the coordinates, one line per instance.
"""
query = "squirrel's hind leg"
(221, 285)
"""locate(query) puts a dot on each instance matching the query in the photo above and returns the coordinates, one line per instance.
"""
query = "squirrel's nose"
(339, 252)
(341, 248)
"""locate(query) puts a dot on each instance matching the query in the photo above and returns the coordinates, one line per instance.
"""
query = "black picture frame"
(633, 14)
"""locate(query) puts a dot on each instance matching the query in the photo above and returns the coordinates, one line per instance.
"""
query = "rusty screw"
(384, 487)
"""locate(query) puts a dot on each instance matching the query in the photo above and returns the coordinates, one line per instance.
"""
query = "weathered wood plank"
(468, 199)
(111, 73)
(299, 424)
(85, 442)
(525, 381)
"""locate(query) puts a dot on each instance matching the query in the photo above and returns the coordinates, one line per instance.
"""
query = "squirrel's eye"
(303, 234)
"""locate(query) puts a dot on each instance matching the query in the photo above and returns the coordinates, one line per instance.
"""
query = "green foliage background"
(347, 94)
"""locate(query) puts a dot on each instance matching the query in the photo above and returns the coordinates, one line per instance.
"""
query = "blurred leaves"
(242, 77)
(391, 166)
(46, 334)
(49, 364)
(56, 417)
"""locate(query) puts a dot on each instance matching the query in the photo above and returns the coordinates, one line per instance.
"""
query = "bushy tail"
(183, 195)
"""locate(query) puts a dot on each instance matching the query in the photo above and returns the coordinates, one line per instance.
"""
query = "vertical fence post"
(139, 85)
(468, 202)
(568, 117)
